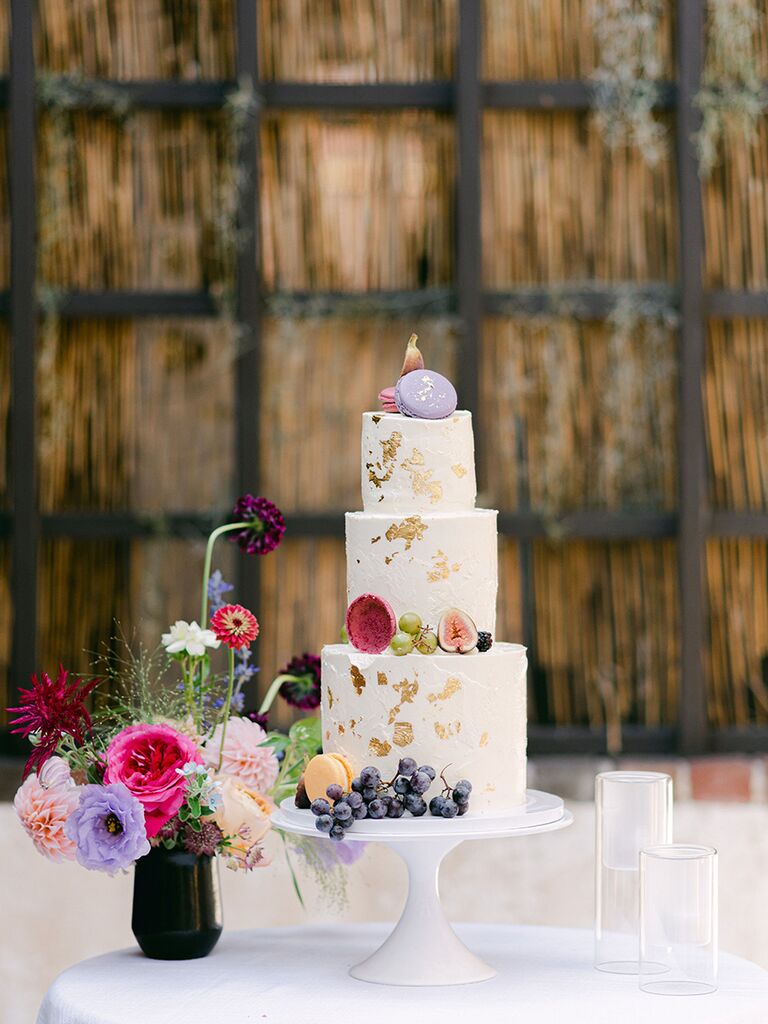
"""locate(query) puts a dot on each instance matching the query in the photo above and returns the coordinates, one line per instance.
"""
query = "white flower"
(190, 638)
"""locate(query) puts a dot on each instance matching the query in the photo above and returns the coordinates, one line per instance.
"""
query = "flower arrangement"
(182, 767)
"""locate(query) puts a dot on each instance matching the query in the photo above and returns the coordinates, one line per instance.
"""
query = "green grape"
(427, 642)
(410, 623)
(343, 635)
(401, 643)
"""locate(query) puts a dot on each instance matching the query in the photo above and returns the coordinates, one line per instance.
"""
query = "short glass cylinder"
(632, 810)
(678, 920)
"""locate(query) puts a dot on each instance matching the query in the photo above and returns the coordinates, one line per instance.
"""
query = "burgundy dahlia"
(303, 689)
(266, 525)
(52, 710)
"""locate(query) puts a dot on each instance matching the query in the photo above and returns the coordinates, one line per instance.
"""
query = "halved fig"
(456, 632)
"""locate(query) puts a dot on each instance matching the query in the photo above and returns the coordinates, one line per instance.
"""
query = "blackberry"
(484, 641)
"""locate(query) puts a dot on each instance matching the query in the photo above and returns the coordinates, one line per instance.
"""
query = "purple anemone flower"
(108, 828)
(266, 525)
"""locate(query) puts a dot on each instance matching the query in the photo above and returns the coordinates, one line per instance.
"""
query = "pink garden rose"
(145, 758)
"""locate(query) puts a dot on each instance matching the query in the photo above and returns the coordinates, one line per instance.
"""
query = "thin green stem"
(273, 690)
(227, 703)
(226, 528)
(294, 879)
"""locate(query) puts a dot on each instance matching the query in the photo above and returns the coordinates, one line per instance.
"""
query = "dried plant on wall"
(732, 96)
(625, 80)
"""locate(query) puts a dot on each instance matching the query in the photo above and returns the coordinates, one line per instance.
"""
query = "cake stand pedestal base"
(423, 949)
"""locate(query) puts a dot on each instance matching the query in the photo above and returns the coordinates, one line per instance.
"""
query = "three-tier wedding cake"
(422, 547)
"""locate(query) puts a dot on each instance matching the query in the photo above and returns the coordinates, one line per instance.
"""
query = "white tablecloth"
(298, 976)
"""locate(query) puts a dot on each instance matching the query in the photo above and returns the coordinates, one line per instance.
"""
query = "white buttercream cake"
(421, 544)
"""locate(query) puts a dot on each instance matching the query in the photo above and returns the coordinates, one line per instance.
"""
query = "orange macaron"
(325, 770)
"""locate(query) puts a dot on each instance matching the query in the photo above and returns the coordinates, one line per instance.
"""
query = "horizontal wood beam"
(736, 303)
(357, 95)
(176, 94)
(583, 300)
(581, 524)
(573, 739)
(732, 523)
(556, 95)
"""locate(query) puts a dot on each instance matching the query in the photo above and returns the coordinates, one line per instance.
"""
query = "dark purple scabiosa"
(301, 688)
(265, 528)
(259, 717)
(203, 843)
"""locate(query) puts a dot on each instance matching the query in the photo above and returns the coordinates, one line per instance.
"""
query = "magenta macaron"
(370, 623)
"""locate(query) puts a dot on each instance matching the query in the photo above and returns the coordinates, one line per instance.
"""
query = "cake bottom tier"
(465, 713)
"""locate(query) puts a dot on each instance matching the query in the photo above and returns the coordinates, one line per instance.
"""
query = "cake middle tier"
(426, 563)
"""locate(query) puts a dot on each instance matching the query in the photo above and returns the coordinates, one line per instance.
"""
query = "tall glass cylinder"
(633, 810)
(678, 920)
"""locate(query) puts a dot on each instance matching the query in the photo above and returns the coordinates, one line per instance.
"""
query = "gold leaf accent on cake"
(327, 734)
(451, 688)
(484, 740)
(376, 419)
(388, 457)
(375, 540)
(388, 559)
(445, 732)
(381, 678)
(380, 748)
(357, 678)
(407, 690)
(341, 728)
(331, 698)
(403, 734)
(441, 569)
(409, 530)
(459, 470)
(421, 479)
(490, 788)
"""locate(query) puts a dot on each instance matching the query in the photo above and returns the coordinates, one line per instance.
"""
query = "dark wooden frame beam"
(249, 298)
(23, 322)
(586, 301)
(691, 438)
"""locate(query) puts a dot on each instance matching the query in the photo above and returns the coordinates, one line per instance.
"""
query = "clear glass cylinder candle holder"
(632, 810)
(678, 920)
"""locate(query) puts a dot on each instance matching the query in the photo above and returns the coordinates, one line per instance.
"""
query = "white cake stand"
(423, 949)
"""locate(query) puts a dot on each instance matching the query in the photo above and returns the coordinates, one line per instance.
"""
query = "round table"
(299, 976)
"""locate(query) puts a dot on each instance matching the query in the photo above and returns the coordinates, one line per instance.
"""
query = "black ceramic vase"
(176, 904)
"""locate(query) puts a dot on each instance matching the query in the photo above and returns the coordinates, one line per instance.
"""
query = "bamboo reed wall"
(357, 40)
(558, 207)
(551, 39)
(357, 203)
(139, 414)
(322, 373)
(578, 414)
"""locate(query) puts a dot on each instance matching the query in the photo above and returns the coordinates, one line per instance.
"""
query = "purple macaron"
(425, 395)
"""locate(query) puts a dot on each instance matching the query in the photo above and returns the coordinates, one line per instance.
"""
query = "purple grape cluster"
(371, 797)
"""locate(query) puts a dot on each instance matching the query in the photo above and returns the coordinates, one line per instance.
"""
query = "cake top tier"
(418, 465)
